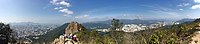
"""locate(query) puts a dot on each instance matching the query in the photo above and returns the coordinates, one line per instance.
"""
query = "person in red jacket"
(74, 38)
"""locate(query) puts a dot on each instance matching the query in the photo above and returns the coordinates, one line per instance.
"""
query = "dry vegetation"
(175, 34)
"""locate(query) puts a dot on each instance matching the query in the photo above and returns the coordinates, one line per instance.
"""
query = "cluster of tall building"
(135, 27)
(32, 29)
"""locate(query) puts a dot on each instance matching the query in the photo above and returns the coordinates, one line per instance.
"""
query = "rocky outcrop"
(196, 38)
(59, 40)
(6, 35)
(73, 27)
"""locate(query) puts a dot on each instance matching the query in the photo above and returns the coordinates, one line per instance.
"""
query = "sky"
(62, 11)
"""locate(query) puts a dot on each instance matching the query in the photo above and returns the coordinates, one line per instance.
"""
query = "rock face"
(196, 38)
(59, 40)
(73, 27)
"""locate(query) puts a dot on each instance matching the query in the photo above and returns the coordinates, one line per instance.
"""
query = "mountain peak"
(73, 27)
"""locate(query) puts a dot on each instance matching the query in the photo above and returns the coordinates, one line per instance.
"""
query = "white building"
(132, 28)
(103, 30)
(157, 25)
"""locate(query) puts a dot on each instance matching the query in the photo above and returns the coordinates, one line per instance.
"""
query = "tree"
(116, 24)
(6, 32)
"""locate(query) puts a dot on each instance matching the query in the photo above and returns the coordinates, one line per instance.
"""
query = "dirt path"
(196, 38)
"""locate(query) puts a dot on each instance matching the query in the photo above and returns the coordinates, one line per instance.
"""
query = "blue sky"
(61, 11)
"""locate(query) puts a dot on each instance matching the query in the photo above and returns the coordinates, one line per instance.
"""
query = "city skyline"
(61, 11)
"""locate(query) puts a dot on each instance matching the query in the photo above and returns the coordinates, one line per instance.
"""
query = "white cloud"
(60, 2)
(83, 16)
(181, 9)
(58, 8)
(65, 3)
(183, 4)
(196, 6)
(62, 6)
(66, 11)
(55, 1)
(197, 1)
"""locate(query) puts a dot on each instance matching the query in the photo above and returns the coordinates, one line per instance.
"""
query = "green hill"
(51, 35)
(175, 34)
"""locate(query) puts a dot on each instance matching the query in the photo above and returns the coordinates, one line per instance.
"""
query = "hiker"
(74, 38)
(70, 36)
(69, 39)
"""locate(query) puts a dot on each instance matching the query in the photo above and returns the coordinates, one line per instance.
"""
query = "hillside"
(175, 34)
(71, 30)
(96, 25)
(51, 35)
(185, 20)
